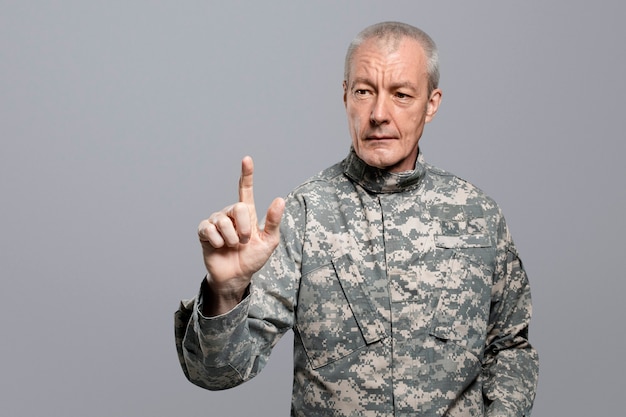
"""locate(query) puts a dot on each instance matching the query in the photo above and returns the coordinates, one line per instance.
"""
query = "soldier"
(400, 281)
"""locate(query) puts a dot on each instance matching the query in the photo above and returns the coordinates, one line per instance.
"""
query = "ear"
(345, 93)
(433, 104)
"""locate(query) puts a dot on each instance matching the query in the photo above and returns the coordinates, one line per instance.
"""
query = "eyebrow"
(360, 80)
(395, 86)
(404, 84)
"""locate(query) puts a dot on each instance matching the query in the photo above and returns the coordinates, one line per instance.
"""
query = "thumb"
(272, 218)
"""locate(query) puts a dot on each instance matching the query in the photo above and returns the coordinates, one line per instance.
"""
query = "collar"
(377, 180)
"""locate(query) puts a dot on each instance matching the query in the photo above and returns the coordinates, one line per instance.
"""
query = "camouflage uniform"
(405, 294)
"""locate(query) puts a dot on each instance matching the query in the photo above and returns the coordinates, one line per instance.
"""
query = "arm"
(189, 326)
(224, 351)
(222, 336)
(207, 346)
(511, 363)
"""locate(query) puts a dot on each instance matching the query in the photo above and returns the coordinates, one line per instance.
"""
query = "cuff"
(223, 324)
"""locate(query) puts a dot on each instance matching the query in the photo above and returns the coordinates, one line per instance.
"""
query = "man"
(400, 281)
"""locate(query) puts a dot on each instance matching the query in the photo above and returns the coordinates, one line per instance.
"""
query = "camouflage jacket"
(404, 291)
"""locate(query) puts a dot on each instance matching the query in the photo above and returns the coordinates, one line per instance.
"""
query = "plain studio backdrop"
(123, 124)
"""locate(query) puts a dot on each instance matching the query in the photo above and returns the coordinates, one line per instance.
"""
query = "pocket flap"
(365, 314)
(462, 241)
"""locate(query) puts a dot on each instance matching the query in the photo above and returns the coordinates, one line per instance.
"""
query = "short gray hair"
(396, 31)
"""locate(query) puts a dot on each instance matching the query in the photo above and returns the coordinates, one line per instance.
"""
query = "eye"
(362, 93)
(402, 96)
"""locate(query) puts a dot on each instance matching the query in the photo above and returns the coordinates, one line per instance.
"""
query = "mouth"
(376, 142)
(379, 138)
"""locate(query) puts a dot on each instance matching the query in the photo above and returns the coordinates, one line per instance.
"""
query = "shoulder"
(324, 183)
(446, 188)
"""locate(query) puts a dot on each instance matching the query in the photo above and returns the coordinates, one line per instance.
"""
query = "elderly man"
(400, 281)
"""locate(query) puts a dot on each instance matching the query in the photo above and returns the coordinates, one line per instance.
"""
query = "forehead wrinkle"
(384, 65)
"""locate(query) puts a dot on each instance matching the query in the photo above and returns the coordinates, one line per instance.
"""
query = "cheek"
(353, 126)
(416, 123)
(355, 120)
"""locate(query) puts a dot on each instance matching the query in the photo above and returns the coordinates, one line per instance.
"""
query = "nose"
(380, 111)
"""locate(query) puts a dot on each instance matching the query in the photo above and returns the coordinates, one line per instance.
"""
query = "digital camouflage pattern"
(405, 293)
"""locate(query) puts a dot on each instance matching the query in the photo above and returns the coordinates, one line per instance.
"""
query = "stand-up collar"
(380, 181)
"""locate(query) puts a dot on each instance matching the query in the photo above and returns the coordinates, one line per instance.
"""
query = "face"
(387, 102)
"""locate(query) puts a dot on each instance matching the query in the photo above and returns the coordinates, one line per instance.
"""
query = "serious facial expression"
(387, 102)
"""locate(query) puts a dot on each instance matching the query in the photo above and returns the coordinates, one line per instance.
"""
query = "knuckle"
(203, 230)
(240, 209)
(205, 233)
(223, 222)
(204, 224)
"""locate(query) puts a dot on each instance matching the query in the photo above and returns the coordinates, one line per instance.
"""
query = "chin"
(378, 158)
(379, 163)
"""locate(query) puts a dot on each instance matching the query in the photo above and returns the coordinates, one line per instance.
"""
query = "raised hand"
(233, 245)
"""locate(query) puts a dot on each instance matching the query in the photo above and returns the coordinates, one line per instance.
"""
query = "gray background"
(123, 123)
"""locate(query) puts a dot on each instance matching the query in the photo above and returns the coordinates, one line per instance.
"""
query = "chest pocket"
(335, 316)
(468, 254)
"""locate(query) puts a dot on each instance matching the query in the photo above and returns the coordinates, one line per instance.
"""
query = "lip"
(380, 138)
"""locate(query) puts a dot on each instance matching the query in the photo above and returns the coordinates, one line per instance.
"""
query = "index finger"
(246, 194)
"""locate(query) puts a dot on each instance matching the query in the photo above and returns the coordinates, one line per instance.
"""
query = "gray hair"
(395, 31)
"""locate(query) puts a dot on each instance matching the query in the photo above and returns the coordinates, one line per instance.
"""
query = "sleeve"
(224, 351)
(213, 350)
(511, 363)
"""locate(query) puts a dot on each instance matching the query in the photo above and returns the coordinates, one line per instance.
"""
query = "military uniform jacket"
(405, 294)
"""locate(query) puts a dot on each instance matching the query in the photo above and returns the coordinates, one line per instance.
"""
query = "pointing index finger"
(246, 194)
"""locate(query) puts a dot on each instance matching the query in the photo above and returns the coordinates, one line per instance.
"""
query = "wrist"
(218, 299)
